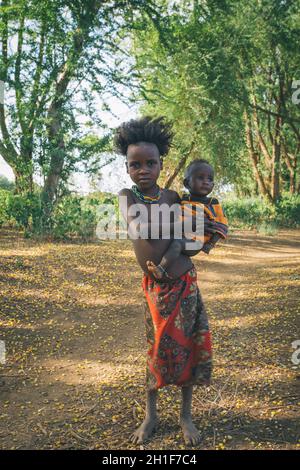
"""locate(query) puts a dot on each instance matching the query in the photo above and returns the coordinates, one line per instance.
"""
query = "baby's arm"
(221, 228)
(185, 246)
(175, 249)
(211, 243)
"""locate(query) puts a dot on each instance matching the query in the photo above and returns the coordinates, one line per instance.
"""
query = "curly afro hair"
(146, 129)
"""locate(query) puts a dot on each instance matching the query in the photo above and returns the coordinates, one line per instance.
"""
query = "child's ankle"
(185, 416)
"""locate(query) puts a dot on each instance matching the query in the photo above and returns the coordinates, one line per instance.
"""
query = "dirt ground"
(72, 321)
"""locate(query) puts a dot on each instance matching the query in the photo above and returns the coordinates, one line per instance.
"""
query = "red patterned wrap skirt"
(180, 351)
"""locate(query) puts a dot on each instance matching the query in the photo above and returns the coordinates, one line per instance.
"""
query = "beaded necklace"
(146, 199)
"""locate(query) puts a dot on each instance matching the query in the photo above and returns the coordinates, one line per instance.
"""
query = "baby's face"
(201, 180)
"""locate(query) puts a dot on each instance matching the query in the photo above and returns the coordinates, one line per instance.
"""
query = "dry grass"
(71, 318)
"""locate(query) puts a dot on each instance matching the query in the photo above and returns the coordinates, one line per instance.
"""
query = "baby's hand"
(207, 247)
(209, 226)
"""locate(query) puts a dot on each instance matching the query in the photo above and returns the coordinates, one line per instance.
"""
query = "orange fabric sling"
(212, 210)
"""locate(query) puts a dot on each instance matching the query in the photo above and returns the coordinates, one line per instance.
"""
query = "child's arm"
(161, 270)
(175, 249)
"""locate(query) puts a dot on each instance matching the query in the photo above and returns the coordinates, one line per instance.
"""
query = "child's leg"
(150, 421)
(190, 432)
(170, 255)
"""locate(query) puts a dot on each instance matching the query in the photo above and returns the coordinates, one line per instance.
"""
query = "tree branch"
(18, 85)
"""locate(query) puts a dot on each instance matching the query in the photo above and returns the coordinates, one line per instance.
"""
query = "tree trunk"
(23, 181)
(291, 165)
(55, 131)
(179, 167)
(254, 159)
(293, 183)
(275, 176)
(57, 159)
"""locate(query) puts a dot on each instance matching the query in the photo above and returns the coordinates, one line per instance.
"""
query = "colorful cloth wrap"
(212, 210)
(177, 332)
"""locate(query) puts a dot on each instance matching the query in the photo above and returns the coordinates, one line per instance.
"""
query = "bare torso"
(153, 250)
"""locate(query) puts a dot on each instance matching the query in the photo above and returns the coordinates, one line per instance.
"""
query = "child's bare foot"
(155, 270)
(144, 430)
(191, 434)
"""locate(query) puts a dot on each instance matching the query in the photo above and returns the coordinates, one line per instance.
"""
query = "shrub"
(24, 209)
(4, 218)
(74, 216)
(258, 213)
(6, 184)
(288, 210)
(267, 228)
(66, 217)
(248, 212)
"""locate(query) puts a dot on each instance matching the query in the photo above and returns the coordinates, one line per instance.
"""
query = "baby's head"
(144, 141)
(199, 177)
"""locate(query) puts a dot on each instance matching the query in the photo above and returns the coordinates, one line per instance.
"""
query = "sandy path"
(72, 321)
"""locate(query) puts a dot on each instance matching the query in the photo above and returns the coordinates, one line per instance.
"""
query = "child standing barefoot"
(177, 328)
(199, 180)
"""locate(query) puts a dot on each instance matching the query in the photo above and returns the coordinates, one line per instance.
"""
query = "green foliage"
(71, 59)
(77, 216)
(247, 212)
(267, 228)
(74, 216)
(256, 212)
(25, 210)
(5, 183)
(68, 217)
(218, 63)
(4, 194)
(97, 198)
(288, 210)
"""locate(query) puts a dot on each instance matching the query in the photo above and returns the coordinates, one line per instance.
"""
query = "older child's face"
(201, 179)
(143, 164)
